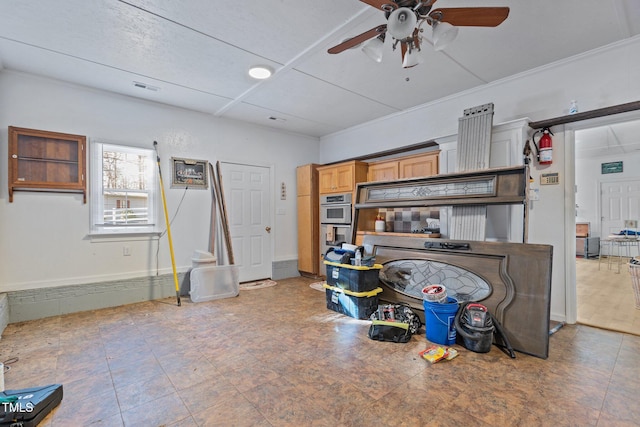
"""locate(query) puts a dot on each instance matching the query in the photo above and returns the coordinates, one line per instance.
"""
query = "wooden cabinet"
(419, 166)
(342, 177)
(383, 171)
(46, 161)
(308, 219)
(416, 166)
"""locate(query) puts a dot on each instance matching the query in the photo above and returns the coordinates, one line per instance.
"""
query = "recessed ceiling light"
(260, 72)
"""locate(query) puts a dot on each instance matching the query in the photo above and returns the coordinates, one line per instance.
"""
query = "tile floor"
(606, 298)
(277, 357)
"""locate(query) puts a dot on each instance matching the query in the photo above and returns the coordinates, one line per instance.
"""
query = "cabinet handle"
(14, 156)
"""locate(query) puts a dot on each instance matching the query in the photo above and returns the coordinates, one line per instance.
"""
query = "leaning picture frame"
(189, 173)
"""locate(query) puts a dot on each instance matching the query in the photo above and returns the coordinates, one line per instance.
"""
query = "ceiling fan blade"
(360, 38)
(381, 4)
(472, 16)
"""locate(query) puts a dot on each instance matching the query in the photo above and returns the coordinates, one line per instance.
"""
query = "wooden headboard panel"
(518, 277)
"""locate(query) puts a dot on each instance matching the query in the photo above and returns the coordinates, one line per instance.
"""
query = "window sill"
(130, 235)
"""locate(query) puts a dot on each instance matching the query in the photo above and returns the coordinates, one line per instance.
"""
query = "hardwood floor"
(277, 357)
(605, 297)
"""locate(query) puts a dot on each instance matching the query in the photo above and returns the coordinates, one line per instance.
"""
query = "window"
(123, 189)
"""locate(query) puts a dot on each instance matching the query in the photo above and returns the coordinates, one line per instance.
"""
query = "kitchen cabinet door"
(383, 171)
(342, 177)
(419, 166)
(308, 219)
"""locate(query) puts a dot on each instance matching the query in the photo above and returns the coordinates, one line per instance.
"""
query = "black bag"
(394, 323)
(381, 330)
(28, 406)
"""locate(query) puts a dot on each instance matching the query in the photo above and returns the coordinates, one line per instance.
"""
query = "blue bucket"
(439, 321)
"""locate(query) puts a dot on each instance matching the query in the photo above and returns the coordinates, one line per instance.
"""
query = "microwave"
(335, 214)
(335, 209)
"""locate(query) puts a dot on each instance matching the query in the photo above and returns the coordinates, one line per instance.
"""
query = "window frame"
(98, 228)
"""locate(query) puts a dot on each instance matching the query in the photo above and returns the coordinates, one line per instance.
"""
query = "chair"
(617, 245)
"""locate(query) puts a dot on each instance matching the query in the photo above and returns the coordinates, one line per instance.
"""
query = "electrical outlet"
(126, 250)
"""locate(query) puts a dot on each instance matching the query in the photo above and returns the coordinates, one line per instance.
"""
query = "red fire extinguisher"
(544, 146)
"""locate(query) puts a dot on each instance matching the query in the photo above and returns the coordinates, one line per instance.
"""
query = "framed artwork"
(190, 173)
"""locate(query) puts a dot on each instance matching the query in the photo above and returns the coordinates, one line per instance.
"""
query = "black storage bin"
(359, 305)
(352, 278)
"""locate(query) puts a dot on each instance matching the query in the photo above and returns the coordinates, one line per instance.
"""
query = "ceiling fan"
(404, 24)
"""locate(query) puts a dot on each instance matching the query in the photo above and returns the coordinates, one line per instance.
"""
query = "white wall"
(589, 178)
(600, 78)
(597, 79)
(43, 236)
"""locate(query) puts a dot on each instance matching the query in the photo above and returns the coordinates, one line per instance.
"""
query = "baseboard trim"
(4, 312)
(284, 269)
(39, 303)
(31, 304)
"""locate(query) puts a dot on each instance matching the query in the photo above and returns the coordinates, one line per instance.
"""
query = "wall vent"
(146, 86)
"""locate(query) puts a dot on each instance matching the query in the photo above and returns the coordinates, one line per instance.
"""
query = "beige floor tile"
(165, 410)
(278, 357)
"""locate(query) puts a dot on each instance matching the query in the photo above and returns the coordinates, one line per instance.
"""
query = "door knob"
(268, 229)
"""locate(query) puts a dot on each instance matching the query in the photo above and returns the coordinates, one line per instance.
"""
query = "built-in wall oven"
(335, 222)
(335, 209)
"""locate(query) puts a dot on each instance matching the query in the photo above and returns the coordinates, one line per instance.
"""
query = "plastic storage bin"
(352, 277)
(202, 259)
(359, 305)
(214, 282)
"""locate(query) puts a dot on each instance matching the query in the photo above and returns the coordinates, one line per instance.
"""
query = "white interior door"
(620, 201)
(248, 200)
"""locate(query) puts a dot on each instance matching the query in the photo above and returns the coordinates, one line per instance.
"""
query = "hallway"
(605, 297)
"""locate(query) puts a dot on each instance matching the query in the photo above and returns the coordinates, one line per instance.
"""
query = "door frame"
(571, 297)
(272, 181)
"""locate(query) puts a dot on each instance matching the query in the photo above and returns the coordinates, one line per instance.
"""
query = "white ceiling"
(616, 139)
(197, 53)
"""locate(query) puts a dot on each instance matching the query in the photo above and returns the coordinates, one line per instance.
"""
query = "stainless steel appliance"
(335, 209)
(335, 223)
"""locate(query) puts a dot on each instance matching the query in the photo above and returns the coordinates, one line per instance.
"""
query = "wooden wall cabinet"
(415, 166)
(308, 219)
(419, 166)
(341, 177)
(46, 161)
(383, 171)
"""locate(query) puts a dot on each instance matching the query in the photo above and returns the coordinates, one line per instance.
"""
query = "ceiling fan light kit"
(404, 21)
(374, 48)
(401, 23)
(412, 58)
(443, 35)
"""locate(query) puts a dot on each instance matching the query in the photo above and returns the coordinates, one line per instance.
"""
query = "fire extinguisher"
(544, 146)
